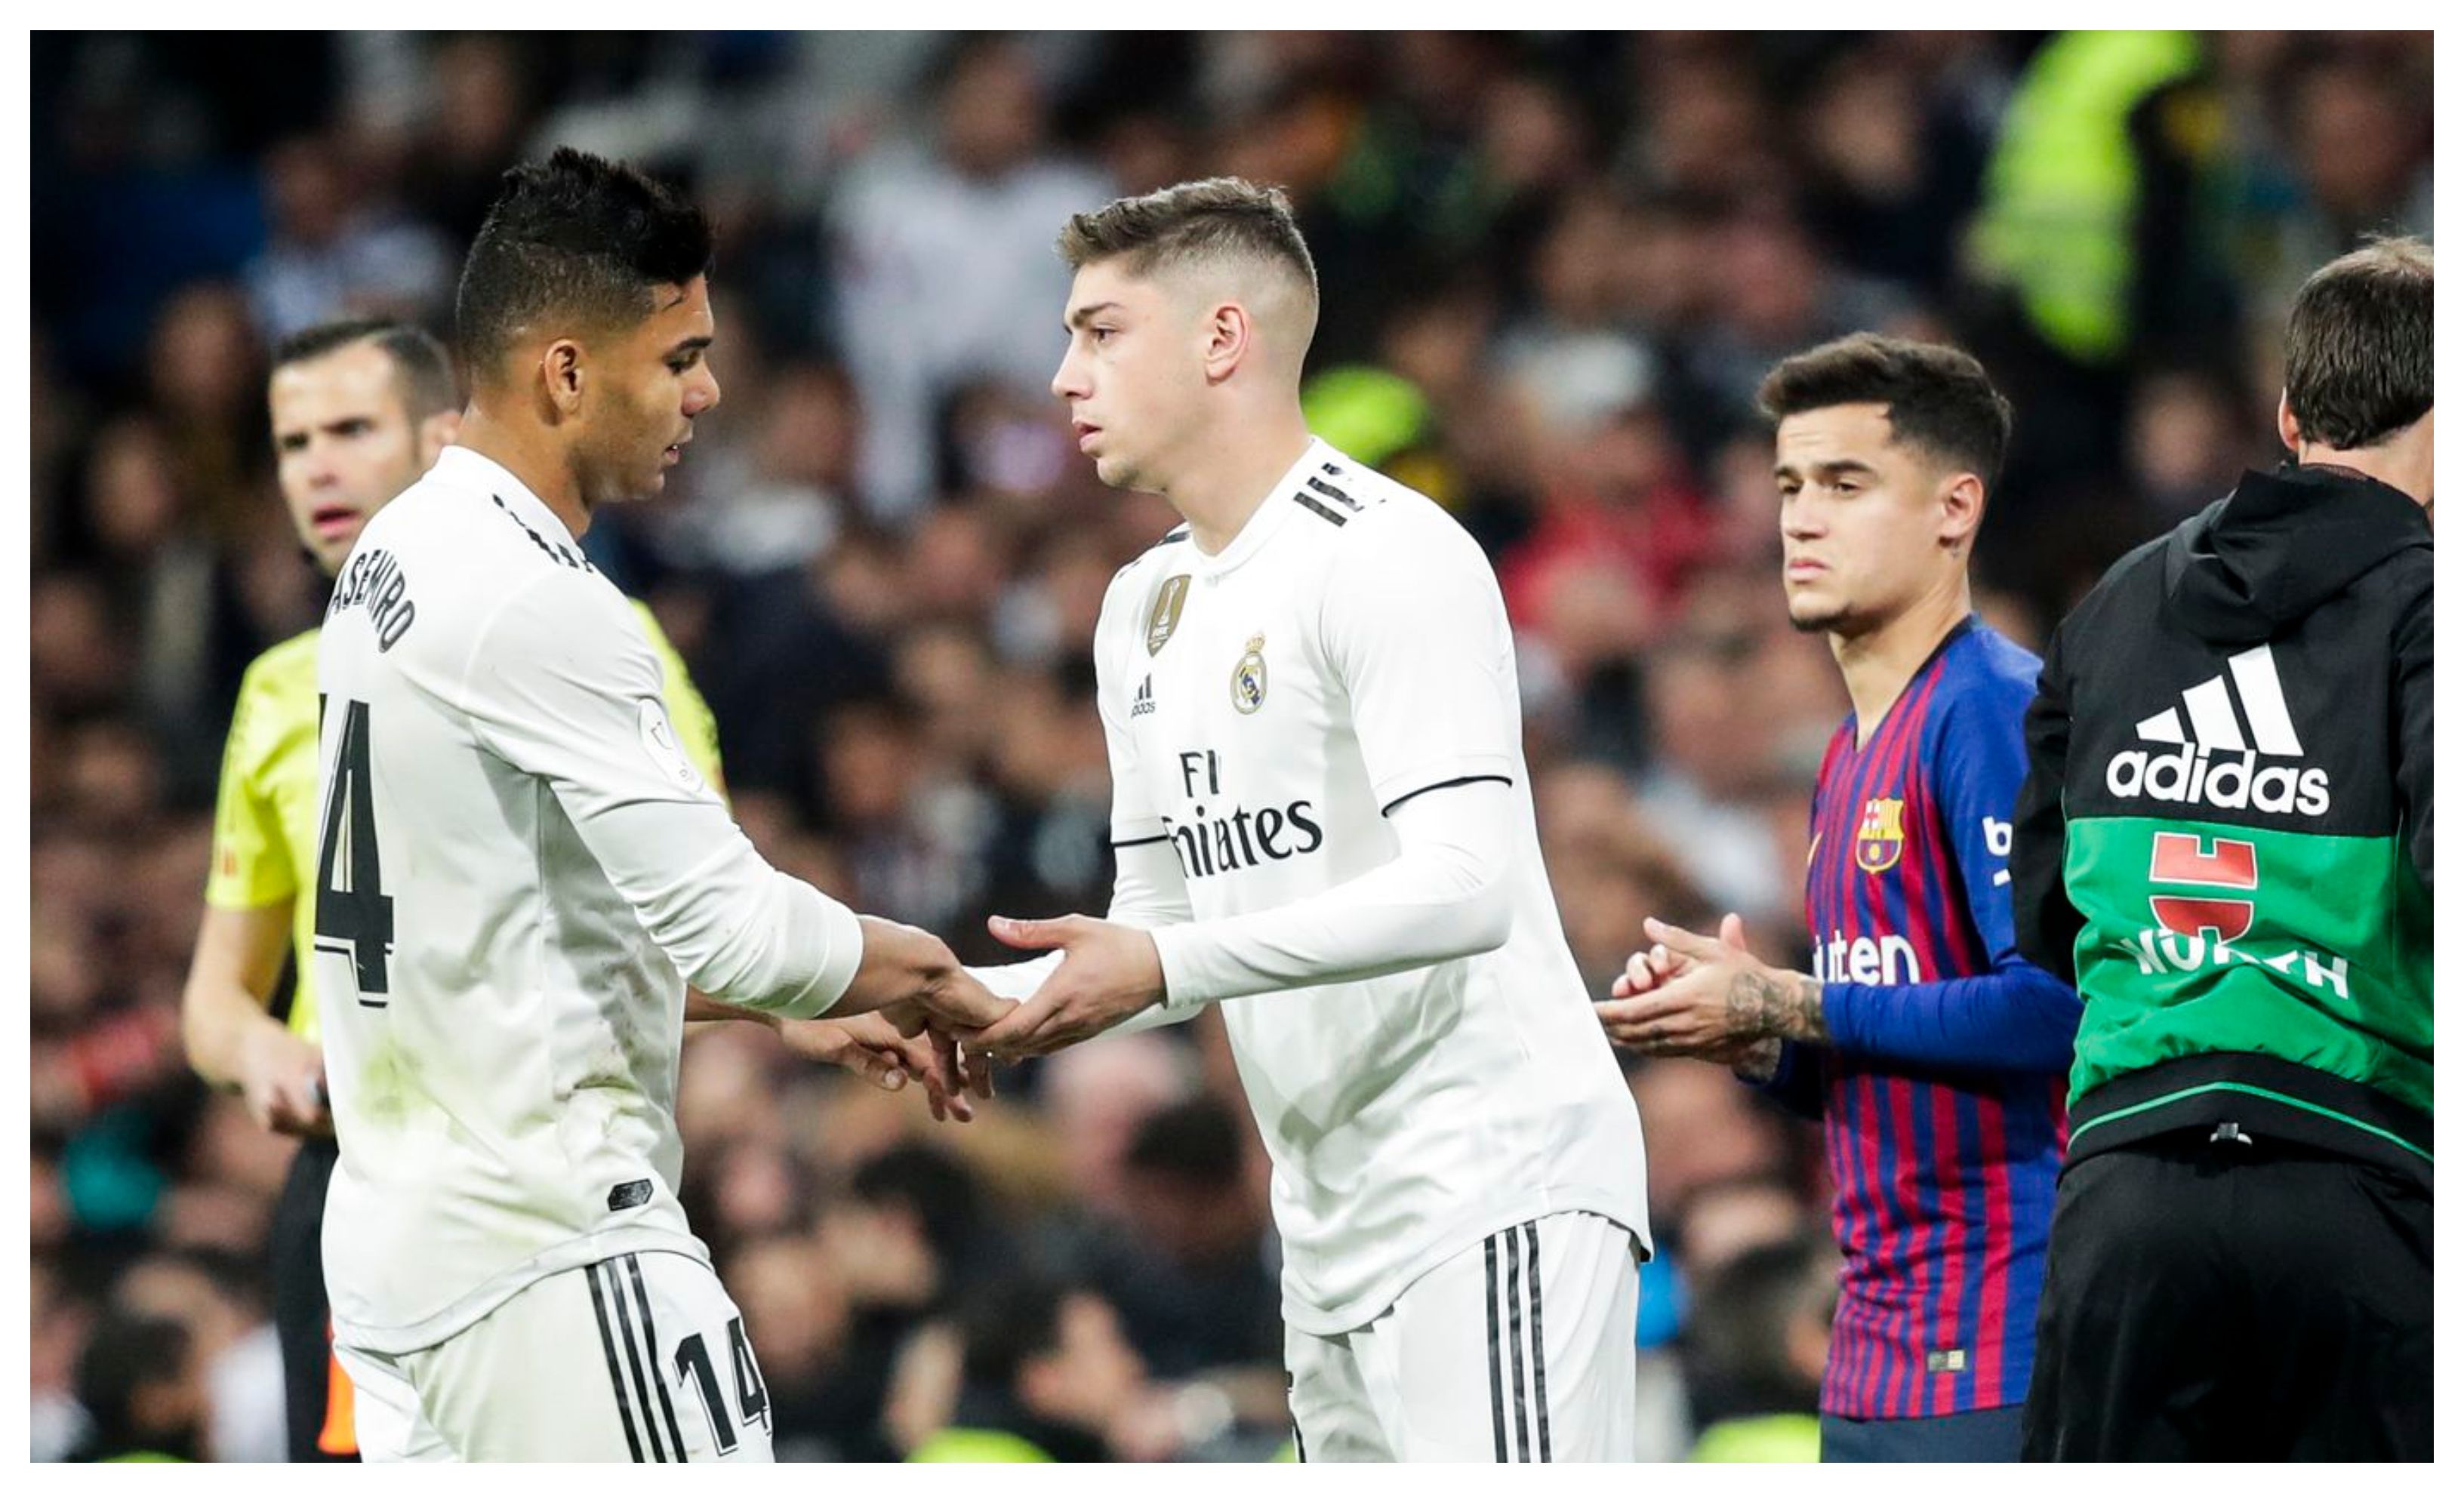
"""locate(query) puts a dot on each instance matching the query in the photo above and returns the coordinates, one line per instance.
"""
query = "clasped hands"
(1109, 972)
(1692, 997)
(936, 1021)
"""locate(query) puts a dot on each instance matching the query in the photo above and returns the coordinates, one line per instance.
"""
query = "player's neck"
(535, 463)
(2403, 462)
(1232, 478)
(1878, 665)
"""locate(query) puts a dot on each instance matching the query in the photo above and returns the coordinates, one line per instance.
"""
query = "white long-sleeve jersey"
(1413, 1034)
(518, 870)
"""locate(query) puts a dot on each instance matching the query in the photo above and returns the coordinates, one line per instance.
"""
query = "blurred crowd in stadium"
(1554, 268)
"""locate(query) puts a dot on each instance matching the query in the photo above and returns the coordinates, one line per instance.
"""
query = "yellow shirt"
(265, 812)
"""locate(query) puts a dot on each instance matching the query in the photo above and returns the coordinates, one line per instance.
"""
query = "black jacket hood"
(2261, 559)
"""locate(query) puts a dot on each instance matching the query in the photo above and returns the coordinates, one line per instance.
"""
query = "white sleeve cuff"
(1018, 981)
(1183, 949)
(840, 938)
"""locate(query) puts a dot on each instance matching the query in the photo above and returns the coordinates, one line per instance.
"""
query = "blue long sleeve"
(1797, 1084)
(2015, 1016)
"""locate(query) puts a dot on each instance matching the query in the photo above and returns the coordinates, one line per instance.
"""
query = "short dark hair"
(576, 235)
(423, 369)
(1220, 216)
(2357, 348)
(1935, 396)
(128, 1353)
(1010, 1321)
(1195, 1141)
(938, 1187)
(1748, 1305)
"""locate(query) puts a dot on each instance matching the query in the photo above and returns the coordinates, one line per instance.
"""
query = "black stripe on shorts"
(615, 1373)
(658, 1374)
(634, 1360)
(1539, 1339)
(1496, 1386)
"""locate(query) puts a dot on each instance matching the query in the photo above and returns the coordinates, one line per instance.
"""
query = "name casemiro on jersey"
(374, 579)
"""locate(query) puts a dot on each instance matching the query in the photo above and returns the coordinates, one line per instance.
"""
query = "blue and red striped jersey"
(1942, 1087)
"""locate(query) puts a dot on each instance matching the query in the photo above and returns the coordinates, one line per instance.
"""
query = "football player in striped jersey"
(1931, 1051)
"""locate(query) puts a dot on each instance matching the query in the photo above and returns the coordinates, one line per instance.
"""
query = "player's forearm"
(1780, 1004)
(1148, 892)
(740, 931)
(1442, 897)
(702, 1011)
(2017, 1018)
(1352, 934)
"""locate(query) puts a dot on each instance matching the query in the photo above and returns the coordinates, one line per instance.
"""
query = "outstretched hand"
(1109, 973)
(1690, 995)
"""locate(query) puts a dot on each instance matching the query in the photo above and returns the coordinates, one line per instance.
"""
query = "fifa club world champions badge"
(1166, 615)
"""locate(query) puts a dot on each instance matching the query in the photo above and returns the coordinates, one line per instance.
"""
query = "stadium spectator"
(1762, 1328)
(945, 265)
(1046, 1377)
(330, 254)
(145, 1400)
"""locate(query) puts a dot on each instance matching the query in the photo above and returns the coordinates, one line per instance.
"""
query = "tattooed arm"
(1701, 998)
(1765, 1003)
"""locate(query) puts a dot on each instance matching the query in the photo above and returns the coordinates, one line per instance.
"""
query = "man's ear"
(1230, 337)
(2287, 429)
(1963, 509)
(560, 374)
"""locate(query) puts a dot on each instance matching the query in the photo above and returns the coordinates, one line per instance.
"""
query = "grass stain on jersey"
(389, 1084)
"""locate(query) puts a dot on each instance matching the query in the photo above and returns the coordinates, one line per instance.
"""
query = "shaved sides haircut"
(577, 242)
(1222, 220)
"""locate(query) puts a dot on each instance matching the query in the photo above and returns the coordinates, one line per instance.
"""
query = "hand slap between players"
(1109, 973)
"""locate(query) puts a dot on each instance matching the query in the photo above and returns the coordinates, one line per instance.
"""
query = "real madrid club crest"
(1879, 834)
(1166, 615)
(1249, 677)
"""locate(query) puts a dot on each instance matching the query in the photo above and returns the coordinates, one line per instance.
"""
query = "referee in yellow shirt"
(360, 410)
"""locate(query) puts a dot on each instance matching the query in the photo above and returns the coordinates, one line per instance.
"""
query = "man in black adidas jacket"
(2225, 839)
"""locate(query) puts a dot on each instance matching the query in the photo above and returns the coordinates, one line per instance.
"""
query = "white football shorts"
(637, 1359)
(1519, 1349)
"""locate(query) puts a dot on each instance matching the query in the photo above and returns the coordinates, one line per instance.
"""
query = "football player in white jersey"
(1323, 821)
(519, 871)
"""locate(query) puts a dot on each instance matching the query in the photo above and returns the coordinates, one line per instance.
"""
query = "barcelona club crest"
(1249, 677)
(1879, 834)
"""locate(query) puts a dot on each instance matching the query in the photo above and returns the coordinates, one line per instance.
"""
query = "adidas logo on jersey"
(1143, 702)
(2212, 761)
